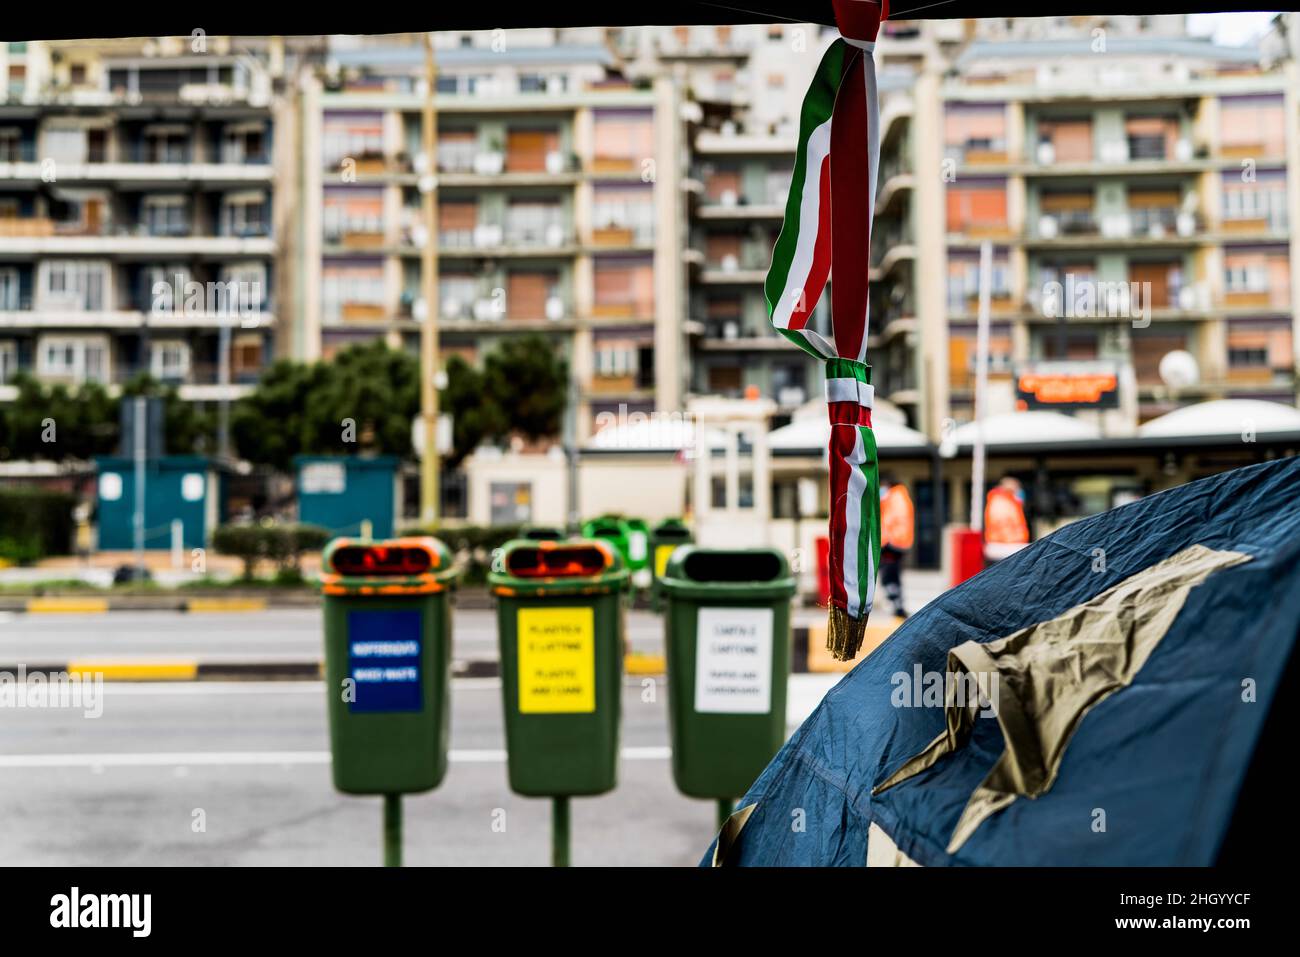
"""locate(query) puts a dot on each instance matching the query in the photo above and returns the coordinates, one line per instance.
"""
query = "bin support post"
(392, 830)
(725, 806)
(560, 832)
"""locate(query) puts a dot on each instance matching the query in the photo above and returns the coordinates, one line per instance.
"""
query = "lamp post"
(428, 182)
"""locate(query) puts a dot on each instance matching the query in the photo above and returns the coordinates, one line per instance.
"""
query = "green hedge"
(35, 523)
(281, 544)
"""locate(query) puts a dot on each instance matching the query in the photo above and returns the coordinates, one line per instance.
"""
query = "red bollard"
(967, 554)
(823, 571)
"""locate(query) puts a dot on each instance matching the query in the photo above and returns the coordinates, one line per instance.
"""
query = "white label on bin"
(733, 661)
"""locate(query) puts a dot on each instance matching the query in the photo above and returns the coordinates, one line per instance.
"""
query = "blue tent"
(1128, 664)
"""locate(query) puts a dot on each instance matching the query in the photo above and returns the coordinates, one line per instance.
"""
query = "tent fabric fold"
(1143, 648)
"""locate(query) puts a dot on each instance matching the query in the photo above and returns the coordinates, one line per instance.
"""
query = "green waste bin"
(611, 529)
(387, 662)
(727, 633)
(665, 538)
(560, 624)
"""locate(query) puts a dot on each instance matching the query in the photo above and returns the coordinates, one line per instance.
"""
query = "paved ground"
(250, 760)
(280, 634)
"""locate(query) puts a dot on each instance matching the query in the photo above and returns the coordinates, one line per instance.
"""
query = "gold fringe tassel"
(844, 634)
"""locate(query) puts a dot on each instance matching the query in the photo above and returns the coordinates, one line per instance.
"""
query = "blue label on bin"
(384, 660)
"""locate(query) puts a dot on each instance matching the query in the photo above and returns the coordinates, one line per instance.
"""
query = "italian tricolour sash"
(827, 232)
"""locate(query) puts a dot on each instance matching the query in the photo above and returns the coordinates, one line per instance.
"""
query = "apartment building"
(558, 207)
(136, 210)
(1133, 183)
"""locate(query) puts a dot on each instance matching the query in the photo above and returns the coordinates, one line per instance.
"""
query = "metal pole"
(140, 410)
(981, 387)
(429, 485)
(724, 811)
(392, 830)
(559, 832)
(223, 379)
(571, 455)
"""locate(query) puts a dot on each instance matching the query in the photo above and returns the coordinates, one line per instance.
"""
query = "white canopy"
(1026, 428)
(1224, 417)
(810, 430)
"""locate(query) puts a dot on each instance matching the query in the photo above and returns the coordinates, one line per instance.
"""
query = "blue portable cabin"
(339, 492)
(190, 488)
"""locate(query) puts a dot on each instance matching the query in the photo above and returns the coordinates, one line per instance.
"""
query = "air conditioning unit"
(1186, 224)
(554, 235)
(730, 263)
(451, 308)
(729, 198)
(1048, 227)
(1046, 154)
(1187, 298)
(554, 162)
(554, 308)
(731, 329)
(1183, 150)
(486, 310)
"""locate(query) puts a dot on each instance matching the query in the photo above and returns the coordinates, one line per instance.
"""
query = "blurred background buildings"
(619, 191)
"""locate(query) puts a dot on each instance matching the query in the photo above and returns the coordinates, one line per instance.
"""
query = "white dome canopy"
(1224, 417)
(810, 430)
(1027, 428)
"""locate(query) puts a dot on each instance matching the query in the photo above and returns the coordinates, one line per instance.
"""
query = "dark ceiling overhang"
(145, 18)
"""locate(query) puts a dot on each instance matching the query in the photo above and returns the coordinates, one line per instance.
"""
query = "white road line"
(256, 687)
(249, 758)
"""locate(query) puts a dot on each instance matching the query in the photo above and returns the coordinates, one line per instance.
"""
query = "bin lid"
(395, 566)
(543, 533)
(728, 572)
(671, 530)
(575, 566)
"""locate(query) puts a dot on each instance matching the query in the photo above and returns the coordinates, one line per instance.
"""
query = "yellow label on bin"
(557, 660)
(662, 554)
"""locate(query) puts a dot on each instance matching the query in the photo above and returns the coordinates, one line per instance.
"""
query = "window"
(11, 146)
(353, 136)
(9, 290)
(165, 215)
(245, 215)
(623, 139)
(244, 144)
(530, 223)
(73, 359)
(72, 284)
(65, 144)
(625, 208)
(624, 287)
(169, 360)
(8, 361)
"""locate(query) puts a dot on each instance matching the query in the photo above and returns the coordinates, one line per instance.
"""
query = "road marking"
(66, 606)
(135, 670)
(258, 758)
(225, 604)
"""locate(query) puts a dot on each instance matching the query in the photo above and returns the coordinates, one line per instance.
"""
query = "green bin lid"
(695, 572)
(575, 566)
(395, 566)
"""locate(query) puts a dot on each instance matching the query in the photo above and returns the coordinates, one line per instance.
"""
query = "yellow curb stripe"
(639, 664)
(226, 604)
(136, 670)
(64, 606)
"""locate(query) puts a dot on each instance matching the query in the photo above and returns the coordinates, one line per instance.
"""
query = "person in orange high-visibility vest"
(897, 524)
(1005, 528)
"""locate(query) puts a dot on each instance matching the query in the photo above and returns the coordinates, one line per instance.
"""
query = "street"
(251, 760)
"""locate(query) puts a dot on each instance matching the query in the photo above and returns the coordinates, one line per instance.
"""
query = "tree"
(53, 422)
(367, 397)
(529, 382)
